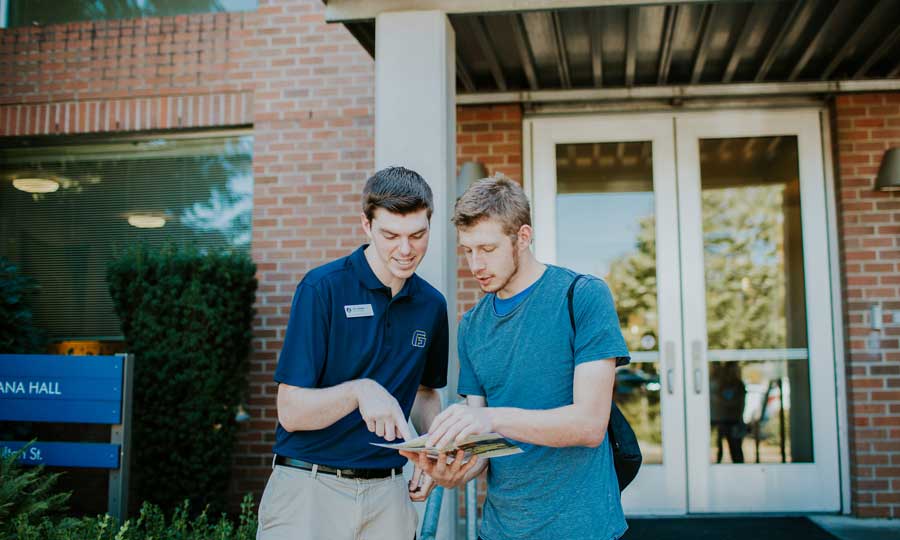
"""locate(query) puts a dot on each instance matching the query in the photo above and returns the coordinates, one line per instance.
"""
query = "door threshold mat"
(725, 528)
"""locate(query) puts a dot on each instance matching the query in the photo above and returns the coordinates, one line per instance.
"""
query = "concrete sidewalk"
(851, 528)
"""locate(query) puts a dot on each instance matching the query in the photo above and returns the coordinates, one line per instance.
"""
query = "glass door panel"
(604, 200)
(609, 187)
(759, 393)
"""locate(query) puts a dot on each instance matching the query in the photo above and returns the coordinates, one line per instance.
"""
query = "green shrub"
(187, 318)
(150, 525)
(26, 493)
(17, 331)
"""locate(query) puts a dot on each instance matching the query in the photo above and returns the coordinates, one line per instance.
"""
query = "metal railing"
(433, 512)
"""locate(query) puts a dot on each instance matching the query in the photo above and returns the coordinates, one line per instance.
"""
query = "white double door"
(711, 230)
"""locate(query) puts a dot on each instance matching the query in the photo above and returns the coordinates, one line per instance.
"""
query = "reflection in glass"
(755, 301)
(184, 191)
(606, 227)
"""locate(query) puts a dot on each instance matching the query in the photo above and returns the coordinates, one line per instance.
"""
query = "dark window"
(41, 12)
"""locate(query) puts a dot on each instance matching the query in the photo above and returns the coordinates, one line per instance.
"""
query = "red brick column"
(491, 135)
(867, 125)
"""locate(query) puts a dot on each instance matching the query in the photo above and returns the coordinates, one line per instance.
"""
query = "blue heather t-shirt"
(345, 325)
(503, 306)
(544, 493)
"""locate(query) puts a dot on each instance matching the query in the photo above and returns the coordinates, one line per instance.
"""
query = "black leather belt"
(367, 474)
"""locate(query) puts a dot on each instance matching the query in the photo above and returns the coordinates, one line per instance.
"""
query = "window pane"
(26, 12)
(107, 197)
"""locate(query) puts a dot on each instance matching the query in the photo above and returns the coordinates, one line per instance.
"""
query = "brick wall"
(492, 136)
(867, 125)
(307, 89)
(125, 75)
(314, 149)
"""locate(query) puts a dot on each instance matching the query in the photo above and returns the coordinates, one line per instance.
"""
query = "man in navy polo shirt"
(365, 349)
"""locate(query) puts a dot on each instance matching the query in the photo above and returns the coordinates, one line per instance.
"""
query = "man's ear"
(524, 237)
(366, 224)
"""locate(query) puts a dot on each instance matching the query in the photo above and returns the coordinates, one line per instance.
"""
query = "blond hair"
(493, 198)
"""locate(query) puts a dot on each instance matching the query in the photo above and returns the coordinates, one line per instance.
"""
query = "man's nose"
(477, 264)
(405, 247)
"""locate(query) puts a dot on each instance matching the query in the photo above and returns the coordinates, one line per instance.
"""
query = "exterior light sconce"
(470, 171)
(888, 178)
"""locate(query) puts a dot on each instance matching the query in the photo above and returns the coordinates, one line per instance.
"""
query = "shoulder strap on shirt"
(570, 298)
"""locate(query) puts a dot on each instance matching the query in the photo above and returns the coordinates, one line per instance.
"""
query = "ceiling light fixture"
(35, 185)
(143, 221)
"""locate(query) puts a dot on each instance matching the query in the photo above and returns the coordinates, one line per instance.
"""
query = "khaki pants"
(300, 505)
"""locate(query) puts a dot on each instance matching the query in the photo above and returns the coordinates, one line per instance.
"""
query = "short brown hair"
(497, 197)
(398, 190)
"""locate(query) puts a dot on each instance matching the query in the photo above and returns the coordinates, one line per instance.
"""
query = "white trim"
(357, 10)
(679, 92)
(837, 313)
(644, 357)
(765, 355)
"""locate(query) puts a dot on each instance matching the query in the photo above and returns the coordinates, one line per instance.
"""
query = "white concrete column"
(415, 126)
(415, 120)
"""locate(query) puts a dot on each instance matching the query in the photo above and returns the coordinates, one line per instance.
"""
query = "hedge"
(187, 317)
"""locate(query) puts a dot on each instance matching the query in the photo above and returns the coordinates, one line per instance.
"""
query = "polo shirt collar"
(367, 277)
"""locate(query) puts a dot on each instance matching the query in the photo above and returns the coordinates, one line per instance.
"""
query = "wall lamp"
(888, 178)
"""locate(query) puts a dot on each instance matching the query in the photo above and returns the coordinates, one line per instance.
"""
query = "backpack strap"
(570, 298)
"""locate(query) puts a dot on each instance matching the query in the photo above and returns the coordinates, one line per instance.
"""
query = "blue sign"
(55, 388)
(60, 454)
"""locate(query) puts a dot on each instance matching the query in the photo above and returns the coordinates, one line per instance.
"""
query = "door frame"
(670, 495)
(533, 122)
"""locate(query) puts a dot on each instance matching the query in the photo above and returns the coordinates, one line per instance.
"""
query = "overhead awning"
(530, 50)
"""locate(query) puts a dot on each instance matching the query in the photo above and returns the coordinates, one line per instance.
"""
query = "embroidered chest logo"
(419, 339)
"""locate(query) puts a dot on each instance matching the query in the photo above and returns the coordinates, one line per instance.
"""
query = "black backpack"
(626, 451)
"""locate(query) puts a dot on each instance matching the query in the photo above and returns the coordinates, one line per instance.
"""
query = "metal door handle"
(697, 359)
(670, 367)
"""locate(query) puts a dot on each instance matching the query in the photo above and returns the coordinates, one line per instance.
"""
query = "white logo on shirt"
(419, 338)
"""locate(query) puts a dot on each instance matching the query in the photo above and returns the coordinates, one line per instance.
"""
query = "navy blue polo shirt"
(344, 325)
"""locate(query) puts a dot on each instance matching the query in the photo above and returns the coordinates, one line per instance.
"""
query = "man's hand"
(420, 486)
(442, 474)
(380, 411)
(457, 422)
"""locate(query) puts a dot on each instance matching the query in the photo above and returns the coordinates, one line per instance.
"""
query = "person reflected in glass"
(727, 394)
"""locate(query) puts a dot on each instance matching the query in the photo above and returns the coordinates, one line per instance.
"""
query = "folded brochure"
(487, 445)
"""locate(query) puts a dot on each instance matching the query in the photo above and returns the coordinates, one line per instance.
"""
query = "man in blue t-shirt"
(365, 349)
(529, 377)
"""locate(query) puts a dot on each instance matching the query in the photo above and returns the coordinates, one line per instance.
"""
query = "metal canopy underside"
(631, 48)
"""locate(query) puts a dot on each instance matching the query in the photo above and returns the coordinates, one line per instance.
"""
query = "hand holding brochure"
(487, 445)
